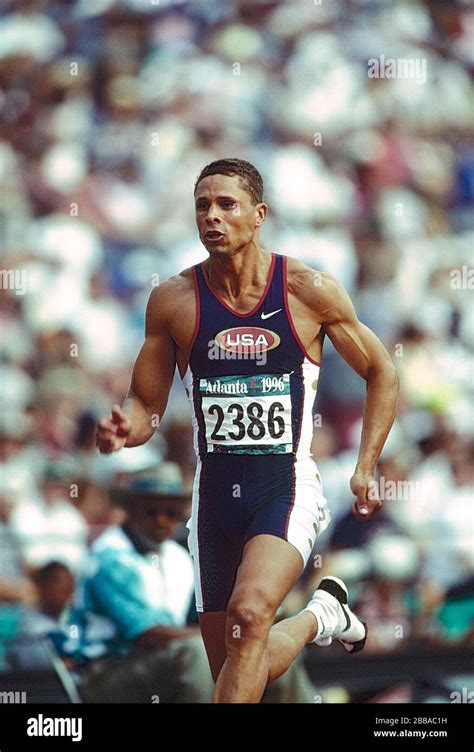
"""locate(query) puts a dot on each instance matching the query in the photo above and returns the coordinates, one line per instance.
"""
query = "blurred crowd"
(108, 111)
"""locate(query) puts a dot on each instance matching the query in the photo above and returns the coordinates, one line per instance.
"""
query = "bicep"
(354, 341)
(153, 372)
(154, 367)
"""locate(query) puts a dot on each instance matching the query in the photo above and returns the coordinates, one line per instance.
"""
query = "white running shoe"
(334, 617)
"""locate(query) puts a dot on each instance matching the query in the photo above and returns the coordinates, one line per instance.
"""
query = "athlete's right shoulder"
(168, 296)
(169, 289)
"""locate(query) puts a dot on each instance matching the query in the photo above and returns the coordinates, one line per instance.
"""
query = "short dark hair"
(251, 179)
(44, 574)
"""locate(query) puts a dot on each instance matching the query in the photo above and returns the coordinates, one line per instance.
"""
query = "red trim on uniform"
(197, 302)
(199, 504)
(264, 295)
(295, 450)
(287, 308)
(300, 426)
(292, 502)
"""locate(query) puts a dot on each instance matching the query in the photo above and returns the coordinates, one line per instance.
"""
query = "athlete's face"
(157, 519)
(227, 219)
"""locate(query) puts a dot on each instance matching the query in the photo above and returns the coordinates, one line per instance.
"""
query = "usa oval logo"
(251, 339)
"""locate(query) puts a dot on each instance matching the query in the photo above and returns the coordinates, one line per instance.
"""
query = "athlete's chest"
(262, 329)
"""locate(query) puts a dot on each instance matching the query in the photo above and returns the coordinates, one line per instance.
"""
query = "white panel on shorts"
(193, 540)
(310, 513)
(310, 382)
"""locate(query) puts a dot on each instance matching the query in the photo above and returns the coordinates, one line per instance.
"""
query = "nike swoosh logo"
(267, 315)
(348, 621)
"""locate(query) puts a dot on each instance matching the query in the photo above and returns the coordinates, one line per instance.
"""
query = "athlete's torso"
(251, 369)
(182, 323)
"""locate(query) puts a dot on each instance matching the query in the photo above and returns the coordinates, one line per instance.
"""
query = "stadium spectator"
(132, 602)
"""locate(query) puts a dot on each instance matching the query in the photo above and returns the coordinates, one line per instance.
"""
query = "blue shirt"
(123, 593)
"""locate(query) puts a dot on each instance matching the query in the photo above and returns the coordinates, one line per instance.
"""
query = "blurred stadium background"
(108, 112)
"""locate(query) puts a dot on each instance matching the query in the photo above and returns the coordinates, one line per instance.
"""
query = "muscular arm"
(152, 374)
(364, 352)
(135, 422)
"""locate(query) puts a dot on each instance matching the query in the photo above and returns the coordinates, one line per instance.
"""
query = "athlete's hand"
(365, 487)
(112, 431)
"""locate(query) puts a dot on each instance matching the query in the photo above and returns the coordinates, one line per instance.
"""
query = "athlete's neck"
(232, 276)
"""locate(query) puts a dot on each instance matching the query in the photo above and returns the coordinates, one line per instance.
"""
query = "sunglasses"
(172, 512)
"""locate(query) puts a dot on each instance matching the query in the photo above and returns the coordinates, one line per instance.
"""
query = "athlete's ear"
(261, 211)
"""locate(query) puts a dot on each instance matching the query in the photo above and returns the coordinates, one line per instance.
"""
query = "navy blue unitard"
(251, 387)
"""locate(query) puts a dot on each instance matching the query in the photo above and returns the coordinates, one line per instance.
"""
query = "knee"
(250, 616)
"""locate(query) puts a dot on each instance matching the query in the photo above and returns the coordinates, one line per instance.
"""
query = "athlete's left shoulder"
(313, 287)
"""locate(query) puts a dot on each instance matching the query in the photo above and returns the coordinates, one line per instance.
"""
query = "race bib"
(247, 414)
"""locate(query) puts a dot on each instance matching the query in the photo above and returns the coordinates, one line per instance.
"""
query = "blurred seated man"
(55, 588)
(454, 623)
(128, 622)
(55, 583)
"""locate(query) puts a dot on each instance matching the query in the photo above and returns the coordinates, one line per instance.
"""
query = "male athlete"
(246, 328)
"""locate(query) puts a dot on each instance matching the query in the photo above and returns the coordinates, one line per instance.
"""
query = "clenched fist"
(112, 431)
(368, 501)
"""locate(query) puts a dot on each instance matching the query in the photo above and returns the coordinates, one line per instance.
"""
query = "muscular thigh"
(238, 499)
(269, 568)
(256, 574)
(216, 533)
